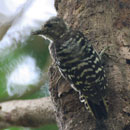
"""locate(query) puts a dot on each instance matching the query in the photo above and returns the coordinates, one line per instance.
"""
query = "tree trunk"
(104, 23)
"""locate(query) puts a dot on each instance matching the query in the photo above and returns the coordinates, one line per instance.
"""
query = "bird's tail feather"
(99, 111)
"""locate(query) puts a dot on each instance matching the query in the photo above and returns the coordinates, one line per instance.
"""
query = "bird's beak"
(38, 32)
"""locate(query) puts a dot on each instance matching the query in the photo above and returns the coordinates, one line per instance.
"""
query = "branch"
(29, 113)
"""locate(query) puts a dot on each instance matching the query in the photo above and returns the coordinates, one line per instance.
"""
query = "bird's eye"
(49, 25)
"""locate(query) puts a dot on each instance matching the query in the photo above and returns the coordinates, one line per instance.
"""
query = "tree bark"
(104, 23)
(27, 113)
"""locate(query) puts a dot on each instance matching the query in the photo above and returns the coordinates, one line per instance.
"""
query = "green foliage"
(35, 49)
(46, 127)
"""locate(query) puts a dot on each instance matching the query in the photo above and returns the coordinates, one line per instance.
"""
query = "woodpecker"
(79, 63)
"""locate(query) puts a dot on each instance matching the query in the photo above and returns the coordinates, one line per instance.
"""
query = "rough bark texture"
(28, 113)
(105, 23)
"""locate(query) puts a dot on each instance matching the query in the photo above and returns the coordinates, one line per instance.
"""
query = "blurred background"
(24, 59)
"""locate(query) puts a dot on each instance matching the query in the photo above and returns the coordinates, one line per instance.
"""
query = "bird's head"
(53, 28)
